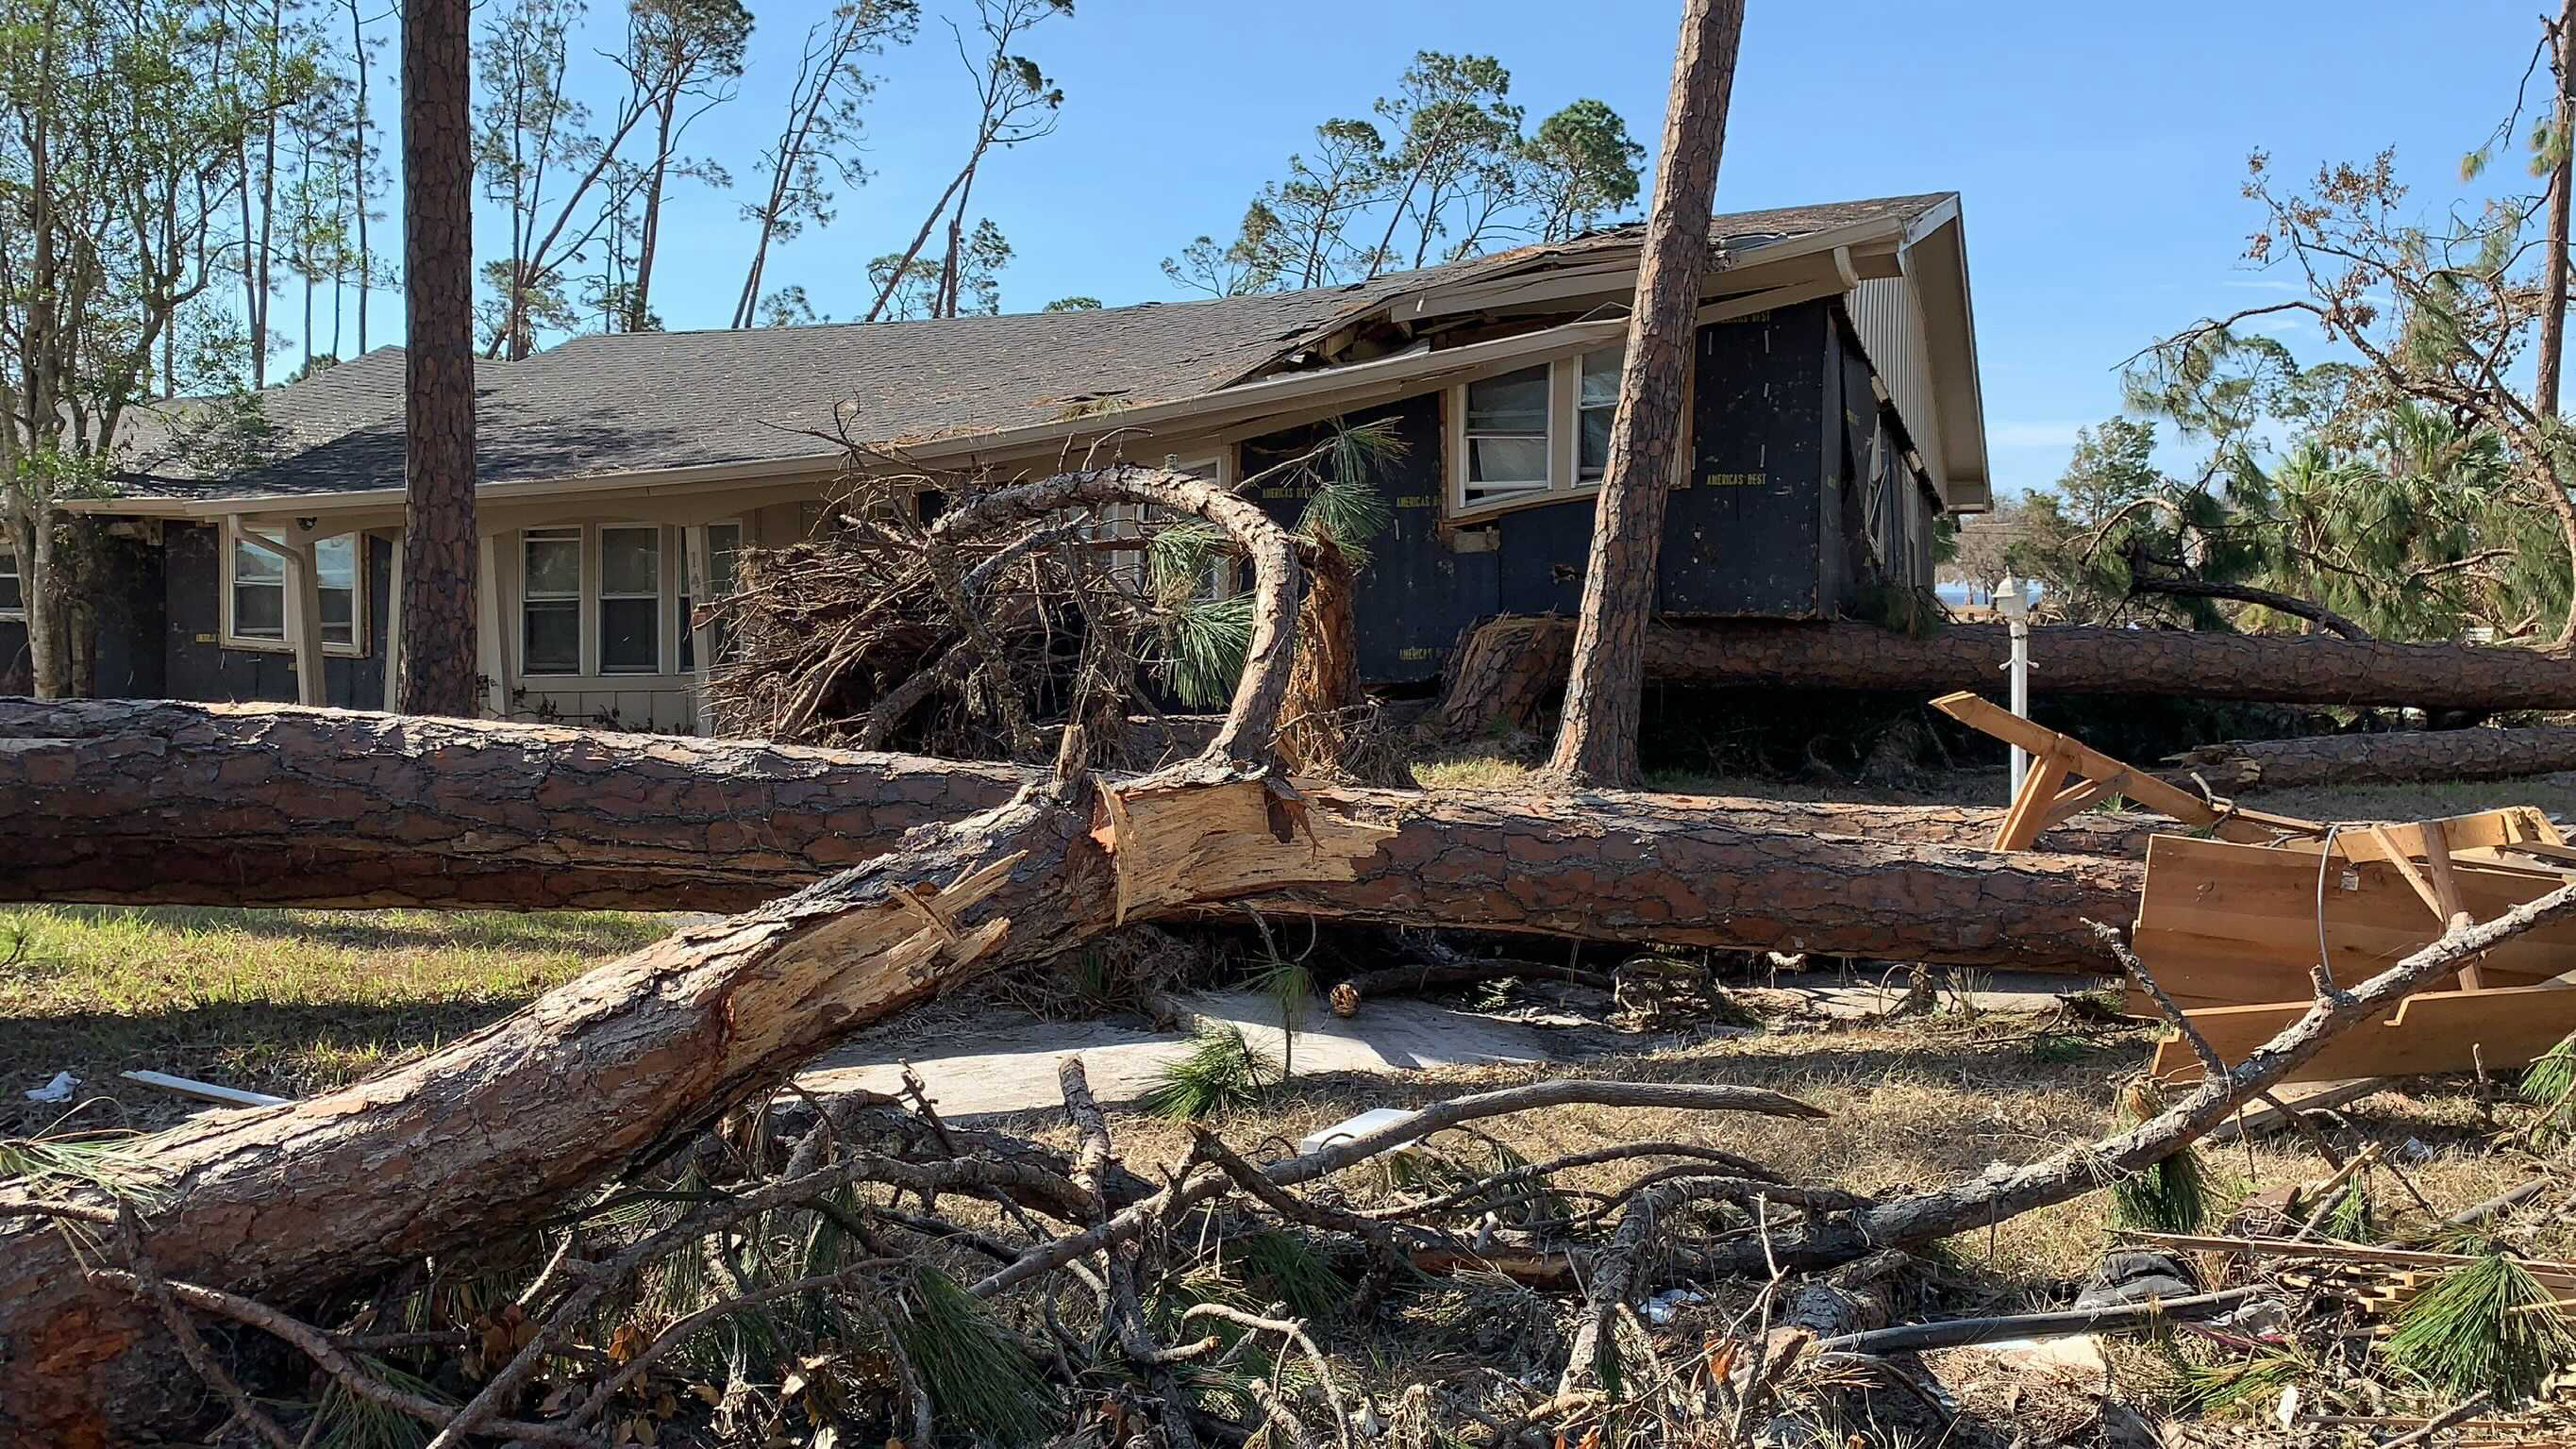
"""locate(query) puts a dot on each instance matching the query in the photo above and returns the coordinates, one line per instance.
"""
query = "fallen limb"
(1956, 1332)
(2008, 1193)
(1192, 1189)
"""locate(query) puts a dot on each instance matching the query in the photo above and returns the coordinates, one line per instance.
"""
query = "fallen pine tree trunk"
(2244, 766)
(489, 1133)
(1512, 669)
(144, 803)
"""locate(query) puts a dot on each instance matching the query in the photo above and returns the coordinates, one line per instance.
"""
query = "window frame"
(9, 569)
(671, 622)
(597, 598)
(228, 637)
(579, 536)
(1565, 411)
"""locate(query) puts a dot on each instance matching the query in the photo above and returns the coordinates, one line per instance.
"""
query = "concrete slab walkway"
(1010, 1067)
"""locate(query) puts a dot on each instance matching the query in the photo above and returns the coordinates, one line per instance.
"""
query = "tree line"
(2414, 485)
(1446, 170)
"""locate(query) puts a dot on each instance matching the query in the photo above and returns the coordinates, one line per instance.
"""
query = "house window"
(1596, 402)
(13, 589)
(255, 585)
(724, 542)
(1526, 434)
(630, 599)
(550, 601)
(1507, 435)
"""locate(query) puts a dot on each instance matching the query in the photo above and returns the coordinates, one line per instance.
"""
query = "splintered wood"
(2237, 917)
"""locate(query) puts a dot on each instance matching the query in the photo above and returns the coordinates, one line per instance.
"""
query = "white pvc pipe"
(2020, 696)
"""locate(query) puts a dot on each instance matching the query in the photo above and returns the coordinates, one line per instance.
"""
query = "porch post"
(702, 641)
(491, 646)
(304, 619)
(393, 623)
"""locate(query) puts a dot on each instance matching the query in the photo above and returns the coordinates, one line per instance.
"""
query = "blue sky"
(2099, 157)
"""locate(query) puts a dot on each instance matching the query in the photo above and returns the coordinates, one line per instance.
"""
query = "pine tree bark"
(1502, 675)
(2247, 766)
(439, 660)
(1596, 740)
(486, 1134)
(173, 803)
(489, 1133)
(2551, 354)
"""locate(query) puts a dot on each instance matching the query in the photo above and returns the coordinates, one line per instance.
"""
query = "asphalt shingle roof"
(610, 403)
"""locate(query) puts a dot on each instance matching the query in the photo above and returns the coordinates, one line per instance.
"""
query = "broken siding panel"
(1889, 318)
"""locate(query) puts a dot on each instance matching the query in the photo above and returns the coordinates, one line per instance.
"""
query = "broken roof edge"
(1374, 380)
(1933, 226)
(1899, 224)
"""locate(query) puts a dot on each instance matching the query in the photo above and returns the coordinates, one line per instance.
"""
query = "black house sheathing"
(198, 667)
(1788, 510)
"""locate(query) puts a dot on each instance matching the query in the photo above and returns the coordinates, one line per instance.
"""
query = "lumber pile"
(2243, 927)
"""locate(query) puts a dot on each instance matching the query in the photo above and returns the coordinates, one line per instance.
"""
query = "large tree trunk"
(2473, 754)
(2553, 276)
(487, 1133)
(1596, 741)
(439, 662)
(272, 805)
(1502, 675)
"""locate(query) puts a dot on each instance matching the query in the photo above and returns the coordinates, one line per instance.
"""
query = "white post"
(393, 622)
(493, 648)
(696, 561)
(2013, 602)
(304, 619)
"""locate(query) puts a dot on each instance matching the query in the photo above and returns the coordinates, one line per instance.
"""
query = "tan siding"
(1889, 318)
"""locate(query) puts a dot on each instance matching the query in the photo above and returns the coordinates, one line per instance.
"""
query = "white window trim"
(1564, 437)
(360, 632)
(19, 614)
(665, 645)
(673, 565)
(584, 596)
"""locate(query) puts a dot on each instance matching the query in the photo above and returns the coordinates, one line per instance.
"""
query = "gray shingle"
(609, 403)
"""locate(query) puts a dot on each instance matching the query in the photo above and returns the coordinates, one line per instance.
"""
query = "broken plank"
(2224, 924)
(1984, 715)
(2262, 1117)
(204, 1091)
(2435, 1032)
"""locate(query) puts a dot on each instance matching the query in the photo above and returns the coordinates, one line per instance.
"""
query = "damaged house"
(1835, 417)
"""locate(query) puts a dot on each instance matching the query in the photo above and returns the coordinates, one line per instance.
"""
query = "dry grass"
(1915, 1105)
(278, 1001)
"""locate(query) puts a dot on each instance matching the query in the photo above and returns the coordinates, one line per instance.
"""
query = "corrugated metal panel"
(1889, 318)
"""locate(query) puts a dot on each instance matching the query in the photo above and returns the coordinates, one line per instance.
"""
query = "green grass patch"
(281, 1001)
